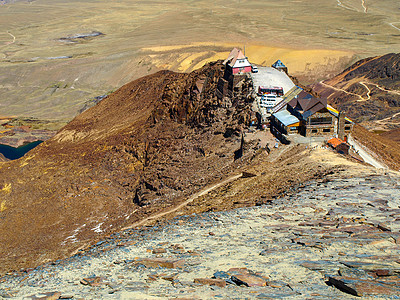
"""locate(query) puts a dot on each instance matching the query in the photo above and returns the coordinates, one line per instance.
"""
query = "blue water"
(15, 153)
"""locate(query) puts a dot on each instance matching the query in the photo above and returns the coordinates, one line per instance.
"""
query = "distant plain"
(47, 72)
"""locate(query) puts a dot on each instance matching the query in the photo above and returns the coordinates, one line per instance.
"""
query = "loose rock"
(208, 281)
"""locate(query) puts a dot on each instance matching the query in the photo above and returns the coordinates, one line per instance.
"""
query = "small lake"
(15, 153)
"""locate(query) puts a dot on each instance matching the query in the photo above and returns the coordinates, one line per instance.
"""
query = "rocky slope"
(149, 142)
(383, 148)
(328, 239)
(369, 91)
(142, 150)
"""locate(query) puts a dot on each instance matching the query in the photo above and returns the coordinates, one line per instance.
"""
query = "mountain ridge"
(143, 149)
(368, 91)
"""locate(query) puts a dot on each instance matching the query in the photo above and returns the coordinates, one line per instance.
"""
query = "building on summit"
(236, 76)
(340, 146)
(309, 116)
(237, 62)
(279, 65)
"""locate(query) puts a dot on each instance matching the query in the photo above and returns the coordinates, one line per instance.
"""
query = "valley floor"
(339, 230)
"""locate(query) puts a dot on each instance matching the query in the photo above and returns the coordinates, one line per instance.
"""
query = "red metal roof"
(234, 56)
(335, 142)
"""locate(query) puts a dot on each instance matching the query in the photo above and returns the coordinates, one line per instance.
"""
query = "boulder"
(92, 281)
(46, 296)
(248, 280)
(360, 287)
(159, 251)
(208, 281)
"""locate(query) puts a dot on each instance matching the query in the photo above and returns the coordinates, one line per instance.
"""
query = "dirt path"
(385, 120)
(342, 90)
(14, 38)
(364, 6)
(277, 153)
(344, 6)
(364, 84)
(189, 200)
(368, 93)
(395, 27)
(385, 90)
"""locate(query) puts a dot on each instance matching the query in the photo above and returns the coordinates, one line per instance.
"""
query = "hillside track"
(176, 208)
(343, 91)
(368, 91)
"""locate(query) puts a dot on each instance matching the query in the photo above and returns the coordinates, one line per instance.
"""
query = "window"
(326, 130)
(317, 121)
(314, 131)
(347, 128)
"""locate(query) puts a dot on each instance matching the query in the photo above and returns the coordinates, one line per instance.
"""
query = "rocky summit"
(199, 149)
(150, 146)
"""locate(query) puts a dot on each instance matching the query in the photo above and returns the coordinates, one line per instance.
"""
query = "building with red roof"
(339, 145)
(237, 62)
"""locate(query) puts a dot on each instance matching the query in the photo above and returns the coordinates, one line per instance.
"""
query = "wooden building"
(315, 118)
(236, 75)
(284, 123)
(344, 124)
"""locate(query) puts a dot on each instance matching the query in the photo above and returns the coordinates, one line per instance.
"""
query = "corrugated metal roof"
(288, 98)
(278, 64)
(285, 117)
(335, 142)
(307, 106)
(304, 95)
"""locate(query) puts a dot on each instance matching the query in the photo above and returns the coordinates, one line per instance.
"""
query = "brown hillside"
(393, 135)
(386, 149)
(142, 150)
(368, 91)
